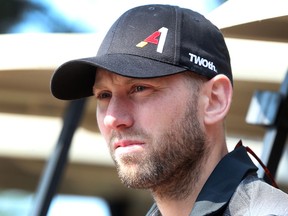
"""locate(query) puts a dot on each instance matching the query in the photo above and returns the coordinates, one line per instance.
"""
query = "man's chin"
(134, 182)
(128, 160)
(132, 177)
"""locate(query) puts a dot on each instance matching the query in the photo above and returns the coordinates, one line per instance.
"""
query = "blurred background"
(36, 36)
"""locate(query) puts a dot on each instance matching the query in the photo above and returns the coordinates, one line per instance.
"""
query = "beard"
(172, 164)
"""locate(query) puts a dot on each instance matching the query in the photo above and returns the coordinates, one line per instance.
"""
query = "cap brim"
(75, 79)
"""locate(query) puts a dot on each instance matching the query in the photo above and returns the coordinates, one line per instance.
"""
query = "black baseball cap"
(146, 42)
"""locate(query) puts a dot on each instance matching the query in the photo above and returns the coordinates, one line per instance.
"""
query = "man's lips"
(127, 143)
(127, 147)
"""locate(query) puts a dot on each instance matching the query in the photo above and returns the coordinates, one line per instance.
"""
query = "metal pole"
(54, 168)
(270, 109)
(276, 137)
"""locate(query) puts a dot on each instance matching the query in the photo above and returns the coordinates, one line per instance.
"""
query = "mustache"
(127, 135)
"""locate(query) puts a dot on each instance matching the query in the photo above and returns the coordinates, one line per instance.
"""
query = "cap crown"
(145, 42)
(171, 35)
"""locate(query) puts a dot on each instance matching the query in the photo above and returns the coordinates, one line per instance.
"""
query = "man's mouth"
(128, 146)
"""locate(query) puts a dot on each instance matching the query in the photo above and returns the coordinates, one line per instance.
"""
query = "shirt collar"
(223, 181)
(221, 184)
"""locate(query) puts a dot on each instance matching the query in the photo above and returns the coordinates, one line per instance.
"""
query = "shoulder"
(255, 197)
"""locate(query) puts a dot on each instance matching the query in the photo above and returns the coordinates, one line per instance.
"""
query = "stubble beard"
(172, 165)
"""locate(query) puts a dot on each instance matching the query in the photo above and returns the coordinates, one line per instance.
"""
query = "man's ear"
(218, 91)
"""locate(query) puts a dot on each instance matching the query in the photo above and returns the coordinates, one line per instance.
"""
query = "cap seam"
(117, 22)
(177, 36)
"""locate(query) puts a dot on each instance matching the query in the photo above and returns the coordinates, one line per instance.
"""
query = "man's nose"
(119, 114)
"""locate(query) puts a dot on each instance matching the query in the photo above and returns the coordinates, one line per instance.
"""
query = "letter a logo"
(153, 38)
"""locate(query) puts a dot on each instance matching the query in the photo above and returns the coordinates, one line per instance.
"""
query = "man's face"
(151, 127)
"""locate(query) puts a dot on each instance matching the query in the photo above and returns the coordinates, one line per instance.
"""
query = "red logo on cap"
(153, 38)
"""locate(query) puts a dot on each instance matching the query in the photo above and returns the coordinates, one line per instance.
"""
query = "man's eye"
(103, 95)
(139, 88)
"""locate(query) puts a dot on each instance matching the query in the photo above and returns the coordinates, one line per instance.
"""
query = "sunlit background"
(85, 16)
(65, 16)
(38, 35)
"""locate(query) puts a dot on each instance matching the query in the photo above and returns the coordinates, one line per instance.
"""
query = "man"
(163, 84)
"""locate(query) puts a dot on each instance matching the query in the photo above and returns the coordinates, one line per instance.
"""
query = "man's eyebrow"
(100, 84)
(128, 80)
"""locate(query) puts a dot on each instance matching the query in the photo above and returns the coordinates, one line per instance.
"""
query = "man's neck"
(170, 205)
(178, 206)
